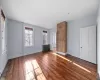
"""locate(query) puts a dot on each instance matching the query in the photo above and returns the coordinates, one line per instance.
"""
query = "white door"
(84, 43)
(88, 44)
(3, 35)
(92, 44)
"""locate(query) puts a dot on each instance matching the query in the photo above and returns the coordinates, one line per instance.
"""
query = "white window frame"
(30, 29)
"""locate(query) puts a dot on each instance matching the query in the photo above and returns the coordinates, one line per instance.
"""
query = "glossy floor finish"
(49, 66)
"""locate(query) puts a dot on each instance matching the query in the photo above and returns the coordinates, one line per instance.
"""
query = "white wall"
(73, 33)
(16, 39)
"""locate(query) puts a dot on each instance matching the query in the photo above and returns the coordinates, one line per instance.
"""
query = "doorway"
(88, 44)
(53, 41)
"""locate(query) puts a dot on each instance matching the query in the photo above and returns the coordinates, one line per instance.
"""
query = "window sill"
(28, 46)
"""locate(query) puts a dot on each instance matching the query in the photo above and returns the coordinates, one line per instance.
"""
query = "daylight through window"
(28, 36)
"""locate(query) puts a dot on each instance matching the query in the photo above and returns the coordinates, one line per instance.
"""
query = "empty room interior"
(49, 40)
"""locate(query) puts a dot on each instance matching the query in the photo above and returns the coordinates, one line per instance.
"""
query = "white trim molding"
(61, 53)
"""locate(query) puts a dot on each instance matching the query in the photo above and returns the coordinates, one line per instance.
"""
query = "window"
(28, 36)
(45, 37)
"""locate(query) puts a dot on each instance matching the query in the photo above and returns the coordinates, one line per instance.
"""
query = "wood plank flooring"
(50, 66)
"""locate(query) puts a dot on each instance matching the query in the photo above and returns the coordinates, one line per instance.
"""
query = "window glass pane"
(31, 42)
(45, 38)
(28, 37)
(26, 31)
(26, 40)
(31, 32)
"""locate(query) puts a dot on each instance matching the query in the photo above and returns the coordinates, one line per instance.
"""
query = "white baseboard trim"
(61, 53)
(68, 53)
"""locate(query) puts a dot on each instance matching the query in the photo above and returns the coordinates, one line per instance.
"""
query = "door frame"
(96, 41)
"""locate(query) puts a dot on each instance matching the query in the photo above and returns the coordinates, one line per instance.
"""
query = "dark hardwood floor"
(50, 66)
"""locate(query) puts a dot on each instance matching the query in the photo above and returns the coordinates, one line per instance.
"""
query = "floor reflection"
(62, 57)
(33, 71)
(81, 67)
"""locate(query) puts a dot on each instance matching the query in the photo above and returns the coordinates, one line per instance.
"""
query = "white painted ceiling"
(47, 13)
